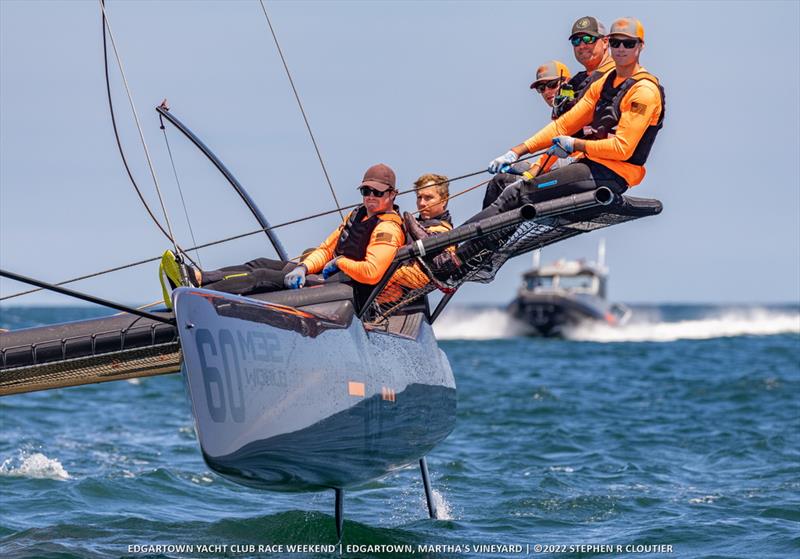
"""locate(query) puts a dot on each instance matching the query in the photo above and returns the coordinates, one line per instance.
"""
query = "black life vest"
(607, 114)
(443, 219)
(354, 240)
(579, 85)
(355, 235)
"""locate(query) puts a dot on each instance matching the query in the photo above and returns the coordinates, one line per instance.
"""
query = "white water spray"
(494, 323)
(443, 509)
(35, 466)
(460, 323)
(731, 323)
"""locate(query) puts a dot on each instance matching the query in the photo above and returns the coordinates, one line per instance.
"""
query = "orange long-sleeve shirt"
(410, 276)
(384, 241)
(639, 108)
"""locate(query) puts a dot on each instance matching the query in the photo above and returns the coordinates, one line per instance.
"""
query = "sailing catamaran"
(268, 412)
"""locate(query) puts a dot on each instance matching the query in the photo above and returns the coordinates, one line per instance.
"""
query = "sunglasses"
(367, 191)
(552, 84)
(585, 39)
(627, 43)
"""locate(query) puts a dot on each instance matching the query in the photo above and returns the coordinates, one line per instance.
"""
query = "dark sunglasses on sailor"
(585, 39)
(627, 43)
(367, 191)
(552, 84)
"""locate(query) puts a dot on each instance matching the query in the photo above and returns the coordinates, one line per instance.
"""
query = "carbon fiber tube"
(85, 297)
(603, 196)
(599, 197)
(466, 233)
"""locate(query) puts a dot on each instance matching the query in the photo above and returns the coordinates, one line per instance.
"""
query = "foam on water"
(35, 466)
(494, 323)
(477, 324)
(754, 322)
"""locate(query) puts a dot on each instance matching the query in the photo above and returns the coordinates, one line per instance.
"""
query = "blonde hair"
(440, 182)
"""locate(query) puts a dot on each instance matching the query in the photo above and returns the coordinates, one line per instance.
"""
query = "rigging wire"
(116, 133)
(302, 110)
(107, 27)
(257, 231)
(178, 182)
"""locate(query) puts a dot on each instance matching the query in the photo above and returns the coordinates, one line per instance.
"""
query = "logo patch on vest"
(383, 238)
(638, 108)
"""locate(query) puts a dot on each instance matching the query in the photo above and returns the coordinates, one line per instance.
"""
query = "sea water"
(676, 435)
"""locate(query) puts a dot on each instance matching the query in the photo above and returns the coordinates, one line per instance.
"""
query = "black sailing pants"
(496, 187)
(577, 177)
(257, 276)
(500, 181)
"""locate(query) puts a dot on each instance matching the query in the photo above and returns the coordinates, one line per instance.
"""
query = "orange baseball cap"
(550, 71)
(629, 27)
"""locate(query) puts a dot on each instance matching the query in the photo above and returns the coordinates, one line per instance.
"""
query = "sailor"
(433, 193)
(362, 247)
(590, 47)
(550, 77)
(619, 115)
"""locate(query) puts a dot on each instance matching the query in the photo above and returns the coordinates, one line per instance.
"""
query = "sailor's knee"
(509, 198)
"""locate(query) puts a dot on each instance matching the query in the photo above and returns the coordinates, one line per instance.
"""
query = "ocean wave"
(34, 466)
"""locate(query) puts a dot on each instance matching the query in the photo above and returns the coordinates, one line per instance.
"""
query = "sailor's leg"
(580, 176)
(269, 264)
(249, 278)
(496, 187)
(508, 199)
(577, 177)
(212, 276)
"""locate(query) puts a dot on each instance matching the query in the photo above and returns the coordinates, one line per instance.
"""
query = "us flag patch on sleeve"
(383, 238)
(638, 108)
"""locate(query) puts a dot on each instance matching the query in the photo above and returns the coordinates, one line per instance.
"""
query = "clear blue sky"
(422, 86)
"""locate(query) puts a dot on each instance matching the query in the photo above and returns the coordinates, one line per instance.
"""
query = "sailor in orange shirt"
(590, 47)
(366, 242)
(620, 115)
(362, 247)
(561, 92)
(433, 193)
(550, 77)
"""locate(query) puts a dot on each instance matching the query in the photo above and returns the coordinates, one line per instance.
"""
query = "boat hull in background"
(549, 314)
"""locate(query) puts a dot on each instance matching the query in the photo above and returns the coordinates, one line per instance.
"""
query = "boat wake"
(645, 326)
(34, 466)
(752, 322)
(463, 323)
